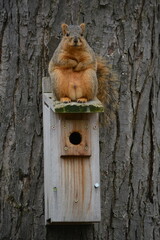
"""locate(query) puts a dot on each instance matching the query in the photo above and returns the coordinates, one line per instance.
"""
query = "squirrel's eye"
(67, 34)
(82, 34)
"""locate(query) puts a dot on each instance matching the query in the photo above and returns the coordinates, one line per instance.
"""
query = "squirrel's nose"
(75, 40)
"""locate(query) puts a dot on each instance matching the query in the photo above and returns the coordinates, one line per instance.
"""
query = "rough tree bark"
(127, 34)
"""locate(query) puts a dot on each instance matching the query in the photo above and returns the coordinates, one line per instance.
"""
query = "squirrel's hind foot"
(65, 100)
(82, 100)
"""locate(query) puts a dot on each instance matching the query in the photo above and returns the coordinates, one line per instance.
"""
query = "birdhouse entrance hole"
(75, 138)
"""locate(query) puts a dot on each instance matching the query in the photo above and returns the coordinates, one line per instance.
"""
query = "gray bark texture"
(127, 34)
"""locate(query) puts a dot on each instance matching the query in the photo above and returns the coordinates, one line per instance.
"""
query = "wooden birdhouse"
(71, 159)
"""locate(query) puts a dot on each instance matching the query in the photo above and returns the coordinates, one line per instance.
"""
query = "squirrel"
(77, 74)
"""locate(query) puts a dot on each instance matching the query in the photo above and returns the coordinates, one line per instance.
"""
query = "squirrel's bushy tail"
(107, 89)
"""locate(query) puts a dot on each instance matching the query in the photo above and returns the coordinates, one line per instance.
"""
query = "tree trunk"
(127, 34)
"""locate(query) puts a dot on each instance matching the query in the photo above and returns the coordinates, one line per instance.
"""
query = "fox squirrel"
(77, 74)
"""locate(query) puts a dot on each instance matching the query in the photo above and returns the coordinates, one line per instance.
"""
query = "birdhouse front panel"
(75, 192)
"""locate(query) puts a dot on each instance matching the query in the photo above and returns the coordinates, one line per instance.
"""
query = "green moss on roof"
(74, 107)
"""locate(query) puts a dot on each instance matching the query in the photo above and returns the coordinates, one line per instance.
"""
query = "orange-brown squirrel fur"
(77, 74)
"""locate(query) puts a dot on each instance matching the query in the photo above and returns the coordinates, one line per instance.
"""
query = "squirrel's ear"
(83, 26)
(64, 28)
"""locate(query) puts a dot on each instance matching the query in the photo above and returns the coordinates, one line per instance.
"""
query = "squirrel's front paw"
(65, 100)
(82, 100)
(79, 67)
